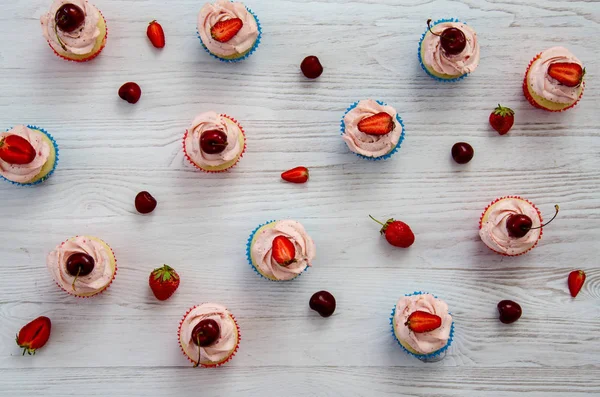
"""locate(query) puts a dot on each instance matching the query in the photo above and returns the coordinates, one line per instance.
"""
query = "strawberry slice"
(34, 335)
(575, 281)
(378, 124)
(284, 251)
(296, 175)
(223, 31)
(567, 73)
(156, 34)
(421, 321)
(16, 150)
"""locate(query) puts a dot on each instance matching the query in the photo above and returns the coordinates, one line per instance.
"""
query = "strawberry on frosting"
(23, 173)
(546, 86)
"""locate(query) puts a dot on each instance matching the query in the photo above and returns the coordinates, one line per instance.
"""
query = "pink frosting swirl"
(548, 87)
(80, 41)
(223, 10)
(223, 347)
(261, 250)
(212, 121)
(370, 145)
(493, 231)
(23, 173)
(97, 280)
(424, 342)
(435, 57)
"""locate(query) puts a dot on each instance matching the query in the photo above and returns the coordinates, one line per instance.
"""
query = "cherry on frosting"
(453, 40)
(69, 17)
(80, 264)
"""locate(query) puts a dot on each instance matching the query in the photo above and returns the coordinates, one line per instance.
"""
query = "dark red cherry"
(80, 264)
(462, 152)
(509, 311)
(518, 225)
(311, 67)
(145, 203)
(130, 92)
(206, 332)
(323, 303)
(69, 17)
(213, 141)
(453, 41)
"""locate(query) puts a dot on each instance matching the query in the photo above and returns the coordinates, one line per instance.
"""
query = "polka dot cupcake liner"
(421, 58)
(92, 56)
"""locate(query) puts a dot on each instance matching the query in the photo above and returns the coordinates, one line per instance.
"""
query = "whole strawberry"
(164, 281)
(575, 282)
(502, 119)
(155, 34)
(397, 233)
(34, 335)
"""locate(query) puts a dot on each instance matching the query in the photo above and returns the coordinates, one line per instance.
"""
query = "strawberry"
(164, 282)
(296, 175)
(223, 31)
(420, 321)
(576, 280)
(397, 233)
(284, 251)
(156, 34)
(16, 150)
(378, 124)
(34, 335)
(502, 119)
(567, 73)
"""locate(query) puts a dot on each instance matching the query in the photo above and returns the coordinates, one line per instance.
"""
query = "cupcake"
(75, 30)
(208, 335)
(82, 266)
(554, 80)
(280, 250)
(422, 326)
(228, 30)
(28, 155)
(372, 129)
(448, 50)
(214, 142)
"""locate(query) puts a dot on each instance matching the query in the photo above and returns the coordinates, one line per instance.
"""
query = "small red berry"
(397, 233)
(130, 92)
(156, 34)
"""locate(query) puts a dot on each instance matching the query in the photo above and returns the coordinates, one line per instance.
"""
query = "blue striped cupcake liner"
(234, 60)
(385, 156)
(249, 254)
(43, 131)
(421, 59)
(422, 357)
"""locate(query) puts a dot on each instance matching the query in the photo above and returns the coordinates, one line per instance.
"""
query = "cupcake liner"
(234, 60)
(429, 356)
(209, 365)
(532, 101)
(249, 255)
(226, 169)
(94, 55)
(385, 156)
(520, 198)
(43, 131)
(421, 59)
(105, 288)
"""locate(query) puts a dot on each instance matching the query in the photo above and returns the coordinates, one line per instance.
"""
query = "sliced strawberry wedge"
(15, 149)
(296, 175)
(283, 251)
(378, 124)
(567, 73)
(223, 31)
(421, 321)
(34, 335)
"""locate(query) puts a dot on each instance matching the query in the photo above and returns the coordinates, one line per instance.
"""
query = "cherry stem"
(376, 220)
(76, 276)
(555, 214)
(59, 40)
(429, 27)
(199, 351)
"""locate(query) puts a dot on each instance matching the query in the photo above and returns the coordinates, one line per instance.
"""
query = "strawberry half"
(576, 280)
(421, 321)
(223, 31)
(567, 73)
(296, 175)
(283, 251)
(34, 335)
(378, 124)
(16, 150)
(156, 34)
(502, 119)
(164, 281)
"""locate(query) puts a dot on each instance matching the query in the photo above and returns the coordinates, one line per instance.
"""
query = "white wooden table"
(124, 343)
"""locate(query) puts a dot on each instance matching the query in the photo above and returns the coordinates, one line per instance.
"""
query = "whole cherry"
(509, 311)
(79, 265)
(213, 141)
(130, 92)
(323, 303)
(462, 152)
(69, 17)
(204, 334)
(144, 202)
(452, 40)
(311, 67)
(518, 225)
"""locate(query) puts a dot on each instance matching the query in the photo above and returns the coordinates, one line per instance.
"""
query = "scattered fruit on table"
(462, 152)
(34, 335)
(225, 30)
(130, 92)
(204, 334)
(518, 225)
(378, 124)
(396, 233)
(421, 321)
(509, 311)
(283, 251)
(156, 34)
(576, 280)
(311, 67)
(144, 202)
(213, 141)
(567, 73)
(15, 149)
(323, 303)
(452, 40)
(296, 175)
(502, 119)
(164, 281)
(69, 18)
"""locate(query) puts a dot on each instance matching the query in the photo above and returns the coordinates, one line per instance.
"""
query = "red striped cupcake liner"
(226, 169)
(532, 101)
(214, 365)
(519, 198)
(94, 55)
(105, 288)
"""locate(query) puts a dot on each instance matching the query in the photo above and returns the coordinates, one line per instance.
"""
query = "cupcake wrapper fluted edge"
(94, 55)
(421, 59)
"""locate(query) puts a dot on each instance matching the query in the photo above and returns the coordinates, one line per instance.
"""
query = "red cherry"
(69, 17)
(145, 203)
(130, 92)
(213, 141)
(206, 332)
(323, 303)
(518, 225)
(80, 264)
(311, 67)
(453, 40)
(462, 152)
(509, 311)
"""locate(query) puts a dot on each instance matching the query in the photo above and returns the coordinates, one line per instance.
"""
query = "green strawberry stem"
(376, 220)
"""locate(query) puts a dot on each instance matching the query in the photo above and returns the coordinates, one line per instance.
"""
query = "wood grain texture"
(123, 343)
